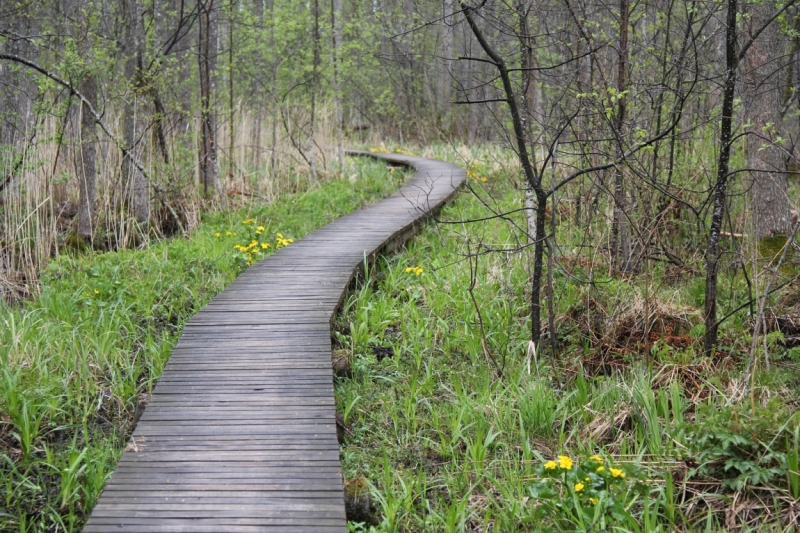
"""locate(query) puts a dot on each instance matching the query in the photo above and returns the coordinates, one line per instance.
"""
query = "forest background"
(640, 156)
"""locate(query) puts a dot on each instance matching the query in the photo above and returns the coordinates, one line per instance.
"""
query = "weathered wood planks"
(240, 434)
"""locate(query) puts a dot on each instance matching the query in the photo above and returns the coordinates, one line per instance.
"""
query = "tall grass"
(78, 362)
(447, 441)
(39, 204)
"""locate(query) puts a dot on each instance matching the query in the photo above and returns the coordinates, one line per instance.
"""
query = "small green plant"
(592, 495)
(732, 444)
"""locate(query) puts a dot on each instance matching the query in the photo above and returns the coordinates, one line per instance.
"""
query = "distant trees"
(548, 95)
(658, 123)
(200, 98)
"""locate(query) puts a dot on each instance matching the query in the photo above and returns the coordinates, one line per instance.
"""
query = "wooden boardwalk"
(240, 432)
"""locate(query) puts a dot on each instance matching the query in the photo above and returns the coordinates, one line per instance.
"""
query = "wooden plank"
(239, 434)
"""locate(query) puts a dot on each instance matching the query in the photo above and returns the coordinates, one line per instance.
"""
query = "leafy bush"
(737, 445)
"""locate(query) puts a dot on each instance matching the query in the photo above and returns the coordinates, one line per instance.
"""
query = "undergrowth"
(456, 423)
(78, 363)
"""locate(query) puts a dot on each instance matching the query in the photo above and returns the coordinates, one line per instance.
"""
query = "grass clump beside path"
(455, 424)
(77, 364)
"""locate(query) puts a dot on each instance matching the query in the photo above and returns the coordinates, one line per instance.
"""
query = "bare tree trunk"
(533, 179)
(231, 107)
(769, 183)
(445, 72)
(720, 189)
(133, 179)
(314, 82)
(87, 177)
(336, 23)
(207, 56)
(620, 232)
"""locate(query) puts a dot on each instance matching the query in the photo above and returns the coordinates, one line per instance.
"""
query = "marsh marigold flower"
(579, 486)
(593, 501)
(600, 469)
(616, 472)
(550, 465)
(597, 459)
(564, 462)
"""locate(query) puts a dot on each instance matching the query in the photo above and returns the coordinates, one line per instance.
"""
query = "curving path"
(240, 434)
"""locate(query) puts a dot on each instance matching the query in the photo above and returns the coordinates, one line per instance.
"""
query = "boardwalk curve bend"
(239, 434)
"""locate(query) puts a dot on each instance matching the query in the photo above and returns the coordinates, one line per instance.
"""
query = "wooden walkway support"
(240, 432)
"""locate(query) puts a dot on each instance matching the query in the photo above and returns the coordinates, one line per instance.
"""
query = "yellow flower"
(597, 459)
(550, 465)
(96, 291)
(587, 479)
(578, 487)
(600, 469)
(616, 472)
(565, 462)
(249, 221)
(415, 269)
(593, 501)
(228, 233)
(265, 245)
(217, 234)
(260, 228)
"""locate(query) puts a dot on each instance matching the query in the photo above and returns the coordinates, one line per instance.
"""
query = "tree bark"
(720, 188)
(207, 56)
(88, 172)
(336, 23)
(134, 180)
(532, 179)
(313, 88)
(768, 181)
(620, 233)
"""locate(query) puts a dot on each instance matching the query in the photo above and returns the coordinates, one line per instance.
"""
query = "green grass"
(455, 431)
(76, 361)
(449, 441)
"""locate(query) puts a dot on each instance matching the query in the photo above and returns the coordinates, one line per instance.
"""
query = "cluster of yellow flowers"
(249, 253)
(253, 246)
(564, 462)
(404, 152)
(596, 466)
(415, 269)
(379, 150)
(584, 490)
(282, 241)
(473, 173)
